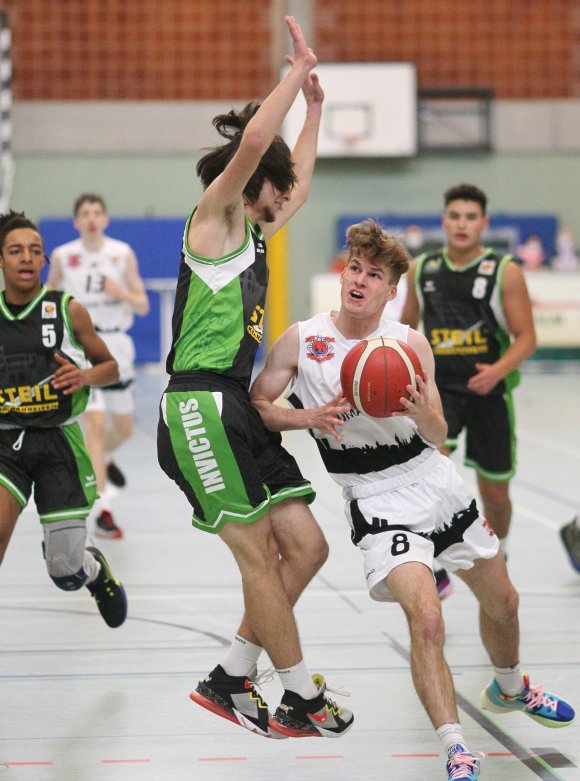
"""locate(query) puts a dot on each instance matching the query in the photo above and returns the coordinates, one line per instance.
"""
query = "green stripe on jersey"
(203, 343)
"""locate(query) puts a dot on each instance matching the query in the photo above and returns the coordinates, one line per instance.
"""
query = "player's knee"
(123, 426)
(506, 604)
(427, 625)
(64, 550)
(95, 424)
(315, 555)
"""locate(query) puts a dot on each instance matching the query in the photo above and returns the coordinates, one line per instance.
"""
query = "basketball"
(375, 373)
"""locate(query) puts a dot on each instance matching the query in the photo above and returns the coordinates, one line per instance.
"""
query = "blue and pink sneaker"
(462, 764)
(541, 706)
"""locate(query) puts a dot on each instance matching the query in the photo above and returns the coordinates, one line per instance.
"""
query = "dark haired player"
(44, 386)
(477, 317)
(240, 482)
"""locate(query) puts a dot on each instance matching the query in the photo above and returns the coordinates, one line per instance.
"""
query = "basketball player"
(240, 482)
(103, 274)
(477, 317)
(405, 502)
(44, 379)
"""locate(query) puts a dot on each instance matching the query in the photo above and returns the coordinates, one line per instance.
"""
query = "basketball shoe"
(541, 706)
(115, 476)
(106, 527)
(462, 764)
(296, 717)
(108, 592)
(236, 699)
(570, 535)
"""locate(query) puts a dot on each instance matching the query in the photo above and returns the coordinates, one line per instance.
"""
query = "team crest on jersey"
(429, 286)
(48, 310)
(487, 267)
(74, 261)
(432, 265)
(320, 348)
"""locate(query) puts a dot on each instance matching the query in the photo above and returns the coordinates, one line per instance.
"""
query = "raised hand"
(302, 52)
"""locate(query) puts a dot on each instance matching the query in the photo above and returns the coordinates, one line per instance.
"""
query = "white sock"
(242, 657)
(297, 679)
(91, 566)
(510, 679)
(503, 545)
(450, 735)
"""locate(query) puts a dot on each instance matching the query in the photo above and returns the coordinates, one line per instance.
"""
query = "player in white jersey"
(103, 274)
(405, 503)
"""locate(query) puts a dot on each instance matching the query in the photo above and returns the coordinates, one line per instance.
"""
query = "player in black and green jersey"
(478, 317)
(241, 483)
(44, 379)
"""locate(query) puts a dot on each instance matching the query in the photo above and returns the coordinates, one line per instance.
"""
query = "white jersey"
(374, 454)
(83, 274)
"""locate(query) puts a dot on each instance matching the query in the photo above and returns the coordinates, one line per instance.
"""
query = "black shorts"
(489, 423)
(53, 461)
(214, 445)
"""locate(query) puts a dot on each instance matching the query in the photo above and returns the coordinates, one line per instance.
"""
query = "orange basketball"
(375, 373)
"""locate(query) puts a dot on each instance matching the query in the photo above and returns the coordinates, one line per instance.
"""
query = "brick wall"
(219, 49)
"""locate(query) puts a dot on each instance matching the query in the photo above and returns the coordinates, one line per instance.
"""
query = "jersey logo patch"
(487, 267)
(48, 310)
(74, 261)
(431, 266)
(429, 286)
(320, 348)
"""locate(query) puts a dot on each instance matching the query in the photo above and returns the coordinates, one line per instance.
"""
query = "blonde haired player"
(405, 502)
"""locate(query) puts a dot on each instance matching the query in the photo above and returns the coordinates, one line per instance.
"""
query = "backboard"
(370, 110)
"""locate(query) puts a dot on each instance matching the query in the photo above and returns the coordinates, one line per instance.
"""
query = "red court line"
(499, 754)
(320, 756)
(220, 759)
(122, 761)
(21, 764)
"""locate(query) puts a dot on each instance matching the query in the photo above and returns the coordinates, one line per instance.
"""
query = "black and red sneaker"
(320, 717)
(115, 476)
(236, 699)
(105, 526)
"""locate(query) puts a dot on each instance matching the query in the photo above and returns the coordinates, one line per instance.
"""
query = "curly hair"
(276, 164)
(368, 239)
(11, 221)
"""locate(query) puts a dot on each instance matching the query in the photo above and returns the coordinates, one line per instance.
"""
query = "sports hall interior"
(116, 97)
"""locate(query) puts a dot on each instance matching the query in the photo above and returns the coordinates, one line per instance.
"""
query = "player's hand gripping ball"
(375, 373)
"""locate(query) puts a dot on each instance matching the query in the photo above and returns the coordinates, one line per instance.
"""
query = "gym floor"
(81, 701)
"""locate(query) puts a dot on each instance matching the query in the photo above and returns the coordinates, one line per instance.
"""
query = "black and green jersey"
(463, 316)
(29, 337)
(219, 310)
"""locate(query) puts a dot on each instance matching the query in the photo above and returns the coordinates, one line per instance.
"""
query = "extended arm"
(304, 152)
(221, 206)
(280, 368)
